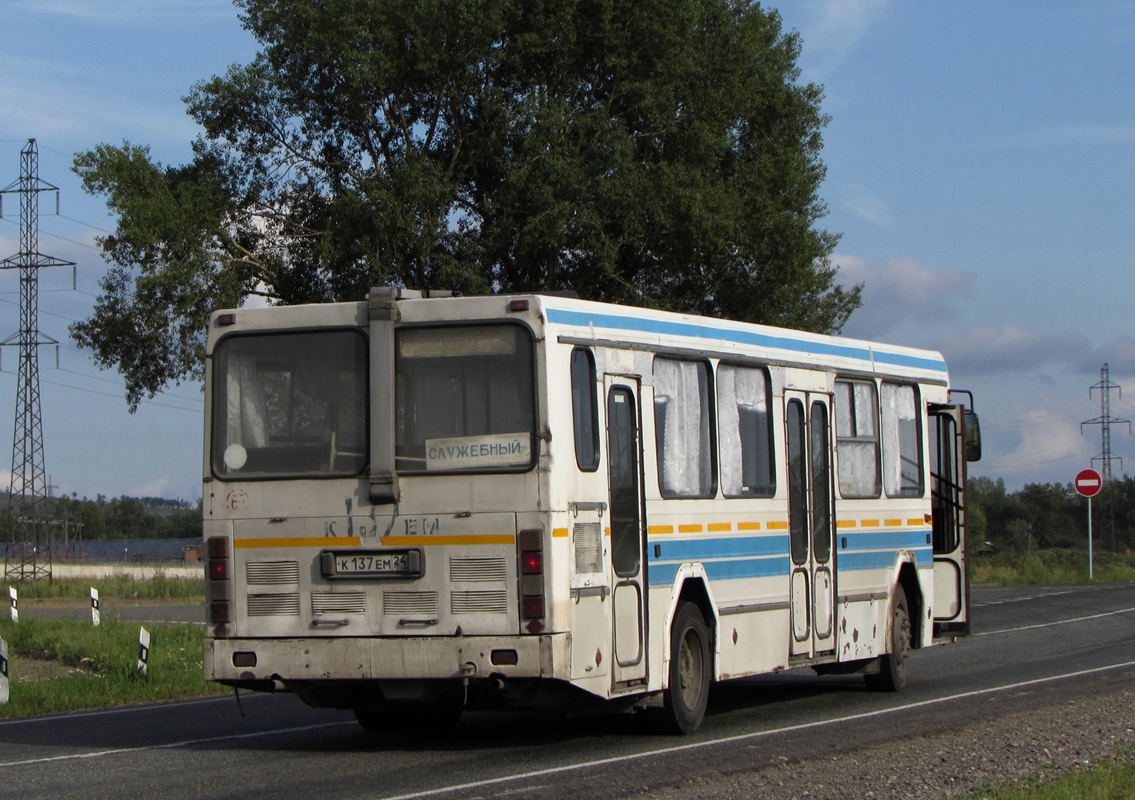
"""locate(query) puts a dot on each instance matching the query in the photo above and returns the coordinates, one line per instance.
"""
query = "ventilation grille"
(410, 603)
(338, 602)
(478, 602)
(477, 570)
(273, 605)
(588, 540)
(272, 572)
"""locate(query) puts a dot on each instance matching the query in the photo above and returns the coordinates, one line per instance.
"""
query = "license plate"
(399, 562)
(387, 563)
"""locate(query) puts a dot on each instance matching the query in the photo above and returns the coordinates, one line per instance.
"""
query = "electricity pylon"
(27, 553)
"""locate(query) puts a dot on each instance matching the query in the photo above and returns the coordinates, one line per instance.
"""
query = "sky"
(980, 171)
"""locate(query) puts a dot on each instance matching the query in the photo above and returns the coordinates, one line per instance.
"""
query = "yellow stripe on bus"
(559, 533)
(689, 529)
(894, 523)
(297, 541)
(870, 523)
(778, 526)
(916, 523)
(718, 527)
(503, 538)
(845, 523)
(748, 526)
(654, 529)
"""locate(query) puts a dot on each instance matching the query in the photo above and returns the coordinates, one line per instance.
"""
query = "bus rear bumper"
(379, 658)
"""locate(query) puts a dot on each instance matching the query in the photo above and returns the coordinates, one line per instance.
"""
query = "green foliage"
(1052, 567)
(659, 153)
(1110, 780)
(1052, 516)
(59, 665)
(160, 587)
(130, 517)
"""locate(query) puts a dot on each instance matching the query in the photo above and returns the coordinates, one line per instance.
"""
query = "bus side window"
(857, 438)
(902, 445)
(682, 428)
(745, 432)
(584, 409)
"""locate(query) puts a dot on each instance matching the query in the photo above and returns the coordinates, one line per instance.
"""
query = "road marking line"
(586, 764)
(544, 773)
(169, 745)
(123, 710)
(1058, 622)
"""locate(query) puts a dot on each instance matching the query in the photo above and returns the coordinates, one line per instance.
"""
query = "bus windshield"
(464, 399)
(290, 405)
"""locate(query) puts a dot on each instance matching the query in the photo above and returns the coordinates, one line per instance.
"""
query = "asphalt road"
(1031, 647)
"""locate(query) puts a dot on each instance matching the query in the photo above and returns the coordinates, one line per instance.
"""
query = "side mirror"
(972, 427)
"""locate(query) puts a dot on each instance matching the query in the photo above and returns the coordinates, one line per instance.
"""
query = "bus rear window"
(464, 399)
(290, 405)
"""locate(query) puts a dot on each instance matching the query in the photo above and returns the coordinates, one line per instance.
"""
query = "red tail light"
(532, 563)
(219, 588)
(532, 579)
(533, 607)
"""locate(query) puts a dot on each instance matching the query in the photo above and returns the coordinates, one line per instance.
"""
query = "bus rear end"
(372, 507)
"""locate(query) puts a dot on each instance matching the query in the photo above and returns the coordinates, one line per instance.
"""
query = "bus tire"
(687, 695)
(893, 666)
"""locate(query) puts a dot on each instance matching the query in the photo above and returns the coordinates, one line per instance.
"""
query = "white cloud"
(1041, 445)
(133, 11)
(832, 28)
(868, 206)
(50, 106)
(1063, 135)
(1011, 348)
(898, 291)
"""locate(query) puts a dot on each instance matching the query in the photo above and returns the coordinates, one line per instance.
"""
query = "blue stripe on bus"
(664, 573)
(881, 559)
(876, 540)
(584, 319)
(718, 547)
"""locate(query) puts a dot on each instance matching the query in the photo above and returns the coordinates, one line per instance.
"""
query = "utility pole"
(25, 555)
(1105, 420)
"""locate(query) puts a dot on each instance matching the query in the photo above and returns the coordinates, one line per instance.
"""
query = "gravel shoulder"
(1042, 744)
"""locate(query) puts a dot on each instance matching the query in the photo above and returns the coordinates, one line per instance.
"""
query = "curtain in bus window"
(743, 435)
(857, 439)
(902, 455)
(246, 413)
(681, 421)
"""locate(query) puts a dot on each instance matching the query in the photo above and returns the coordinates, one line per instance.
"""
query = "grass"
(1053, 568)
(1110, 780)
(159, 587)
(60, 665)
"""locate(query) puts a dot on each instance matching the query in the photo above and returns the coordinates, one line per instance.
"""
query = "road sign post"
(1088, 484)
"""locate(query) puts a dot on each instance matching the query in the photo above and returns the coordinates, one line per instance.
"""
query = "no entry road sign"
(1088, 482)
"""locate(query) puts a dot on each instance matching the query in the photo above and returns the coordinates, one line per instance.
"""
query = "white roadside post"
(15, 606)
(143, 651)
(96, 615)
(3, 672)
(1088, 484)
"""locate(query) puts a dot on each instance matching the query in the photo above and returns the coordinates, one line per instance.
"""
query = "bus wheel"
(395, 720)
(685, 699)
(893, 665)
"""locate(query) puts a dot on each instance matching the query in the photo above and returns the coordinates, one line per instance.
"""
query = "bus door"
(628, 526)
(947, 486)
(811, 524)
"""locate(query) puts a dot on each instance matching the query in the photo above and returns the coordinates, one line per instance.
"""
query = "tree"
(660, 153)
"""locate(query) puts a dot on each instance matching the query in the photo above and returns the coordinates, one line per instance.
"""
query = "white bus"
(415, 505)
